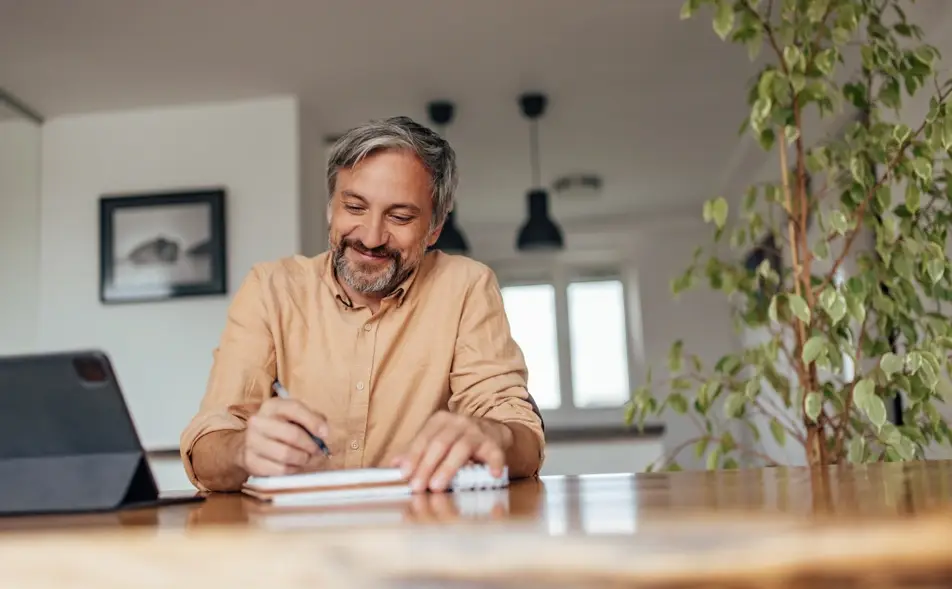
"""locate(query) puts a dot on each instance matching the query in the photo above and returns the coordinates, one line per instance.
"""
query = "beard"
(370, 278)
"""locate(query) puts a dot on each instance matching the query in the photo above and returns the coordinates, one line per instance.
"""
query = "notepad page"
(333, 478)
(474, 476)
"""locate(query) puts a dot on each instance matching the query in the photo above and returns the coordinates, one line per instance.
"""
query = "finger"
(411, 459)
(280, 452)
(299, 413)
(285, 432)
(490, 454)
(259, 466)
(434, 455)
(459, 454)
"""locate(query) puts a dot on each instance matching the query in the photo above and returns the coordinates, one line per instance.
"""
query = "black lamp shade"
(539, 232)
(451, 239)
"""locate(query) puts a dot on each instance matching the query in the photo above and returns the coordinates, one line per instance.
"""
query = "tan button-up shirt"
(441, 341)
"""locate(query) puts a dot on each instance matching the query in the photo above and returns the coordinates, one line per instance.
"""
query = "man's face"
(380, 221)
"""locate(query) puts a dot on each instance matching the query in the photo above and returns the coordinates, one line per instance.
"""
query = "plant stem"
(815, 447)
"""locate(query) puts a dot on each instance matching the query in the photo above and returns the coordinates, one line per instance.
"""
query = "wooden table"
(882, 525)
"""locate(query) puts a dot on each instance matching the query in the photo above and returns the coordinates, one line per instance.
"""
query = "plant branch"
(780, 416)
(708, 438)
(770, 35)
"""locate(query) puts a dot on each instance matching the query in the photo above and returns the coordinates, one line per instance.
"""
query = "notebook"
(357, 485)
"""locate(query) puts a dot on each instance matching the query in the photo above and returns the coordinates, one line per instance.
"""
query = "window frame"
(560, 275)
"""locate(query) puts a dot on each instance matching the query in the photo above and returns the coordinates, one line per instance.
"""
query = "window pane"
(599, 343)
(531, 313)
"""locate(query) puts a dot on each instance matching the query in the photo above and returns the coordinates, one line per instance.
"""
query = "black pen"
(283, 393)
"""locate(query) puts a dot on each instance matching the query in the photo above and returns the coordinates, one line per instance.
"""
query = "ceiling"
(649, 102)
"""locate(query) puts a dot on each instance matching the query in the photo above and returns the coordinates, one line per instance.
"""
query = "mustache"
(379, 251)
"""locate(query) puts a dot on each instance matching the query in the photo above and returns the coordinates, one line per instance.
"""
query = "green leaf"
(865, 398)
(838, 222)
(678, 403)
(834, 303)
(752, 388)
(857, 450)
(815, 346)
(689, 8)
(714, 458)
(734, 405)
(817, 9)
(716, 210)
(922, 168)
(891, 364)
(913, 362)
(696, 363)
(750, 199)
(630, 410)
(791, 133)
(778, 432)
(675, 356)
(700, 447)
(799, 307)
(772, 309)
(913, 195)
(814, 404)
(723, 19)
(936, 269)
(906, 448)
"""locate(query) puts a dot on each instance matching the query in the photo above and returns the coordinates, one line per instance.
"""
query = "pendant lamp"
(539, 232)
(451, 239)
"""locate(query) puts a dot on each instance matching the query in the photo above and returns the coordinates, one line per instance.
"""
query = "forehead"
(391, 177)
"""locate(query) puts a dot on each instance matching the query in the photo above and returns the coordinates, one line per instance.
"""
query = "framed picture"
(162, 246)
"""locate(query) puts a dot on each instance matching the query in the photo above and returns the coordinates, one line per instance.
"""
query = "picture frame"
(160, 246)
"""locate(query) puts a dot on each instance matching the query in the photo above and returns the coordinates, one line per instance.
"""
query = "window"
(531, 313)
(573, 331)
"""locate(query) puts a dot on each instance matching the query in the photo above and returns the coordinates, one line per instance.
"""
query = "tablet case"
(67, 441)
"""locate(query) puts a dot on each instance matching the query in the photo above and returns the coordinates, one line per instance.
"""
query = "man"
(392, 355)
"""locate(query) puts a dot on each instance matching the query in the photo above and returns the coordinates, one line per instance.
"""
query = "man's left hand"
(448, 442)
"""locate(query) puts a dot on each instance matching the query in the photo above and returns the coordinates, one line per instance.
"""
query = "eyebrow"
(410, 207)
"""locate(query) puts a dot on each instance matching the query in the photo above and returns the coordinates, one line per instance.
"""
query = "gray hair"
(400, 133)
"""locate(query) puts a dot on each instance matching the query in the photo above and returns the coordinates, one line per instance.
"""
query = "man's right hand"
(275, 441)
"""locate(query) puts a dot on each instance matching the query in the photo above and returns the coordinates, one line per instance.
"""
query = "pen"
(283, 393)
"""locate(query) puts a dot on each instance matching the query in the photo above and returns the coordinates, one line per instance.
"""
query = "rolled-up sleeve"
(488, 377)
(243, 369)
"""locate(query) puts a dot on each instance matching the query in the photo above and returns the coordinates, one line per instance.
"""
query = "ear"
(434, 235)
(330, 210)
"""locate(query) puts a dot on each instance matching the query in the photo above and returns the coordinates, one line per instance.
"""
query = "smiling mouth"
(371, 257)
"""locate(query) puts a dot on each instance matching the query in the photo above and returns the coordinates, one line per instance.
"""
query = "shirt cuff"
(200, 426)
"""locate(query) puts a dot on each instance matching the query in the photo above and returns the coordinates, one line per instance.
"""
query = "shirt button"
(354, 445)
(360, 386)
(368, 327)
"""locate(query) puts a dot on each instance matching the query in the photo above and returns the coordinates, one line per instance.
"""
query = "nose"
(374, 234)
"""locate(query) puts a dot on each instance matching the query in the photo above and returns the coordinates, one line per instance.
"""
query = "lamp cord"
(534, 152)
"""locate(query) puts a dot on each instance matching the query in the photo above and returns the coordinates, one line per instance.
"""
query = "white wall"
(19, 234)
(162, 351)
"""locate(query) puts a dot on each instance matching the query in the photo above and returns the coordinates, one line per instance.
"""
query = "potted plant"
(837, 348)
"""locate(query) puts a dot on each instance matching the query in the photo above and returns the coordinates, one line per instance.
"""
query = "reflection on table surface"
(878, 525)
(588, 504)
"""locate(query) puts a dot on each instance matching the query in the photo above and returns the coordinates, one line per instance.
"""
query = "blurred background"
(129, 97)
